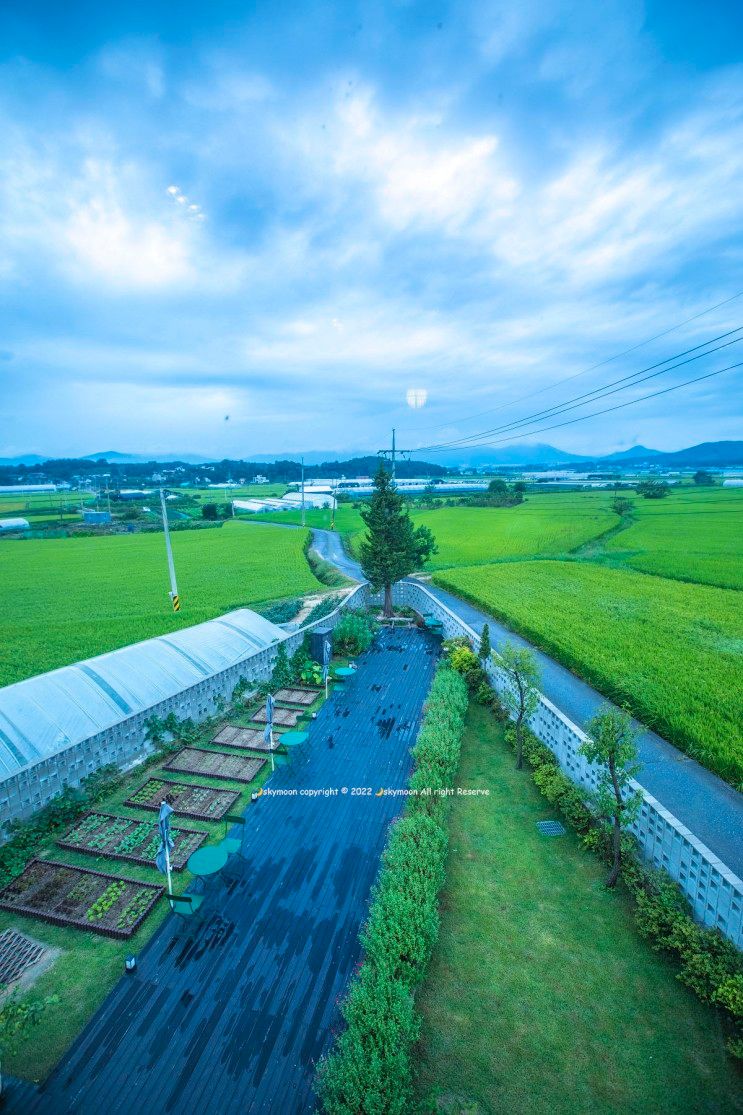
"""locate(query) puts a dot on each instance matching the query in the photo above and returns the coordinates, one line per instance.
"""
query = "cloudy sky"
(229, 233)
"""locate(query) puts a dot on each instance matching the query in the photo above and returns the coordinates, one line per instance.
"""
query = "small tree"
(704, 478)
(612, 742)
(653, 489)
(485, 649)
(498, 488)
(209, 511)
(393, 548)
(521, 697)
(620, 505)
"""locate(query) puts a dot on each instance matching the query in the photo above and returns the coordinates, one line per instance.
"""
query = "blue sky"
(231, 229)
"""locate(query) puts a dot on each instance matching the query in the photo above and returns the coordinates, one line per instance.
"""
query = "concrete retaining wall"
(715, 893)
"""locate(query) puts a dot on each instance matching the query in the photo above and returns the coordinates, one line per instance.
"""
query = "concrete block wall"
(715, 893)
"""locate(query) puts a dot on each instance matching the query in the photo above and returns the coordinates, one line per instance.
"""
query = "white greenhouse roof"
(45, 714)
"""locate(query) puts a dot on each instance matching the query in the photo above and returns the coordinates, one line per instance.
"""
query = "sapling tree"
(485, 649)
(612, 743)
(393, 547)
(521, 696)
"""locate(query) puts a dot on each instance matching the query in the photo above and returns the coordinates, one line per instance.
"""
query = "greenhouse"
(57, 727)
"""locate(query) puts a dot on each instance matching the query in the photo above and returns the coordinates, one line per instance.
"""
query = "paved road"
(232, 1018)
(709, 807)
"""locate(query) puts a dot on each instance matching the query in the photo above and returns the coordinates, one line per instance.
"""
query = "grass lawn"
(541, 998)
(91, 965)
(68, 598)
(670, 650)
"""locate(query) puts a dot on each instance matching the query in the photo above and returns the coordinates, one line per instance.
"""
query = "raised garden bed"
(250, 739)
(203, 803)
(63, 895)
(104, 834)
(297, 695)
(215, 764)
(282, 717)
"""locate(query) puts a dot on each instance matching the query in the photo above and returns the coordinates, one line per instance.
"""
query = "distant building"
(14, 524)
(734, 482)
(26, 489)
(134, 493)
(90, 516)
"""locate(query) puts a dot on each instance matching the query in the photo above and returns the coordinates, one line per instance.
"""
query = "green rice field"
(69, 598)
(694, 535)
(541, 526)
(672, 651)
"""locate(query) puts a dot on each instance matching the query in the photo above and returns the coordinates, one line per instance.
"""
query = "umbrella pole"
(167, 869)
(271, 746)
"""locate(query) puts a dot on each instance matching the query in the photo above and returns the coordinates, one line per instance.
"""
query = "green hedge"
(709, 963)
(369, 1069)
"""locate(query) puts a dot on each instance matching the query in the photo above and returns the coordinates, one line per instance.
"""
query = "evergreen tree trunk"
(616, 836)
(616, 840)
(388, 600)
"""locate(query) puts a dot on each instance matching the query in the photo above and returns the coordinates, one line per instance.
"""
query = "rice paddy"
(69, 598)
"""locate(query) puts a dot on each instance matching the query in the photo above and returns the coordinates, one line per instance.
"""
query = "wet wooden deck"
(233, 1016)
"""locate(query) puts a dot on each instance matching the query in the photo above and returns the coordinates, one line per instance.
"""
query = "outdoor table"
(207, 861)
(293, 739)
(344, 672)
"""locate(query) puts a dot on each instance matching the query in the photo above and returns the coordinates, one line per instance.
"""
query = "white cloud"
(109, 239)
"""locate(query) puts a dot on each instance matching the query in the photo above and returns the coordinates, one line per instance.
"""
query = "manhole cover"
(550, 828)
(18, 953)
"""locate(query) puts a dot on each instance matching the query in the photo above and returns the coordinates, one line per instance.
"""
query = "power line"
(632, 380)
(608, 410)
(593, 368)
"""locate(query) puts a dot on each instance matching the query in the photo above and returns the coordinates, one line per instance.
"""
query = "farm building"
(90, 516)
(14, 524)
(58, 727)
(26, 489)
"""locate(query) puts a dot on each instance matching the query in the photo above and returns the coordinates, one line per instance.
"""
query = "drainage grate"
(550, 828)
(18, 953)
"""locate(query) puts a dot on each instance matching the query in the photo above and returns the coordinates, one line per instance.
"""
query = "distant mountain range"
(712, 454)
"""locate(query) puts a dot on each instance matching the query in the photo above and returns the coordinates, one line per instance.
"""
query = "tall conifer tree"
(393, 547)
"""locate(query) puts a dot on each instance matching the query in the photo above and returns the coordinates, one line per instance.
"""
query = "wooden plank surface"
(232, 1017)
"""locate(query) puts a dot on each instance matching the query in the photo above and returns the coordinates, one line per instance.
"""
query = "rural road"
(709, 807)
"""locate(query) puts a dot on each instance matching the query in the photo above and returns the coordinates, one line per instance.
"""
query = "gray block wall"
(715, 893)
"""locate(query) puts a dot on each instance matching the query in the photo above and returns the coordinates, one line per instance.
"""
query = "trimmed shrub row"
(709, 963)
(369, 1069)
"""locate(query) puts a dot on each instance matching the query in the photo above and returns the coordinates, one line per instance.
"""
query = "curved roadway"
(706, 805)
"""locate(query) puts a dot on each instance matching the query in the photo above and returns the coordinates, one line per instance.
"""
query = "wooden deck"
(232, 1017)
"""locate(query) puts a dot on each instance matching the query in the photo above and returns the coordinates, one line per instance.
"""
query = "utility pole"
(303, 518)
(393, 453)
(174, 597)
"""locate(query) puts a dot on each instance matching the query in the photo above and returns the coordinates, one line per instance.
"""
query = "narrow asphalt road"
(709, 807)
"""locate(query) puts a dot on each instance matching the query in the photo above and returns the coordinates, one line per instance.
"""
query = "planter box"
(203, 803)
(63, 895)
(215, 764)
(248, 739)
(297, 695)
(282, 717)
(105, 834)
